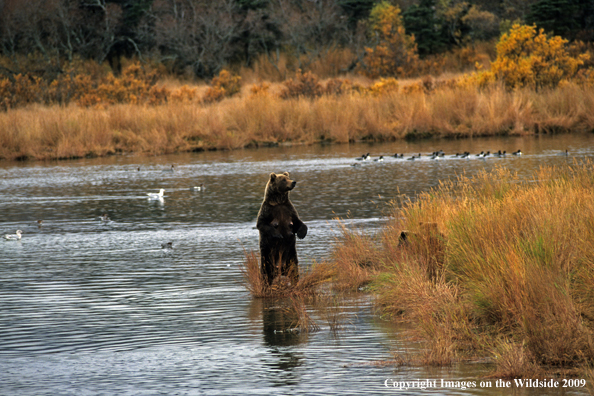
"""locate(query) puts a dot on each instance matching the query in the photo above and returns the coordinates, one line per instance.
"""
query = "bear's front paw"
(302, 231)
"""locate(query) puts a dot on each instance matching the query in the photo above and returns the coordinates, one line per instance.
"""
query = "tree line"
(204, 36)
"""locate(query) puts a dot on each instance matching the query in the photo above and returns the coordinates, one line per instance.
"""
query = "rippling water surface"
(91, 307)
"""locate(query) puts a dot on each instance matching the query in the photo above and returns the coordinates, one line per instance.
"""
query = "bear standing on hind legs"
(278, 222)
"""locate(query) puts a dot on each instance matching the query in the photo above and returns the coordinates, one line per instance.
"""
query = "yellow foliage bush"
(183, 94)
(529, 58)
(480, 79)
(85, 84)
(395, 51)
(23, 89)
(222, 86)
(260, 89)
(338, 86)
(383, 86)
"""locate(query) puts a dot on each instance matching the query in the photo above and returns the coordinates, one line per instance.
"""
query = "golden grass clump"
(182, 123)
(303, 85)
(489, 259)
(222, 86)
(309, 281)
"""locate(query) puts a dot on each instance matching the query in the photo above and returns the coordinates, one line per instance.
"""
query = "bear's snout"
(293, 184)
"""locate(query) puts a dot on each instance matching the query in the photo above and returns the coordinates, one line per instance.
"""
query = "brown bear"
(278, 222)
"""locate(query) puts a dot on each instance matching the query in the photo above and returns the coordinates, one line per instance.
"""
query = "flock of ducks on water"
(365, 157)
(440, 154)
(105, 217)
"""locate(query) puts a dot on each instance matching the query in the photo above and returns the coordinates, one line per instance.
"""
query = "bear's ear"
(286, 174)
(272, 176)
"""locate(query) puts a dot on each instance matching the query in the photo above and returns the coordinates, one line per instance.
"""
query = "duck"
(158, 195)
(168, 245)
(481, 154)
(519, 152)
(501, 154)
(398, 155)
(39, 223)
(380, 159)
(104, 217)
(198, 188)
(364, 157)
(13, 237)
(564, 153)
(169, 169)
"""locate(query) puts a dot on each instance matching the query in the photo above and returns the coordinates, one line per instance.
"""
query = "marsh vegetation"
(488, 266)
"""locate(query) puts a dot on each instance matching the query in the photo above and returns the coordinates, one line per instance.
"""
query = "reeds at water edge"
(54, 132)
(507, 275)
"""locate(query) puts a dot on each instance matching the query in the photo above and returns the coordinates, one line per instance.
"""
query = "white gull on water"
(156, 195)
(13, 237)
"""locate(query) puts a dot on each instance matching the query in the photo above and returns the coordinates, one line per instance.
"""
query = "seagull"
(13, 237)
(155, 195)
(198, 188)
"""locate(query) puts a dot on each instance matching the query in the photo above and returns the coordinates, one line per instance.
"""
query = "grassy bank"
(491, 266)
(262, 117)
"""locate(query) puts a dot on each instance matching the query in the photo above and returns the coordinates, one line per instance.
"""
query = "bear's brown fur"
(278, 222)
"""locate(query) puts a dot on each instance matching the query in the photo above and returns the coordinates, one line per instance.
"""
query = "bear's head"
(281, 182)
(278, 186)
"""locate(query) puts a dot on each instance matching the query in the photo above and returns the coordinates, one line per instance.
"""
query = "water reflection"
(100, 307)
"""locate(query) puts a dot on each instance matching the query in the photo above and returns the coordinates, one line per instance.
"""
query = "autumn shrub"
(261, 89)
(338, 86)
(183, 94)
(22, 90)
(222, 86)
(527, 57)
(394, 51)
(303, 84)
(383, 86)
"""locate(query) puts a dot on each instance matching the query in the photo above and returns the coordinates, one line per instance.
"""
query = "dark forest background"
(199, 38)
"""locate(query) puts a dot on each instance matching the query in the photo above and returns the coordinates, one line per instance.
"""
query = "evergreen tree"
(356, 9)
(557, 17)
(421, 20)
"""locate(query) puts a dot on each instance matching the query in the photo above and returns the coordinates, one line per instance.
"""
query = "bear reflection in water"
(278, 222)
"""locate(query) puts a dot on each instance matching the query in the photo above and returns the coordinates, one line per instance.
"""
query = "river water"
(93, 307)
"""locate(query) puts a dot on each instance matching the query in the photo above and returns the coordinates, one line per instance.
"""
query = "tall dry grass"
(40, 132)
(512, 277)
(310, 281)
